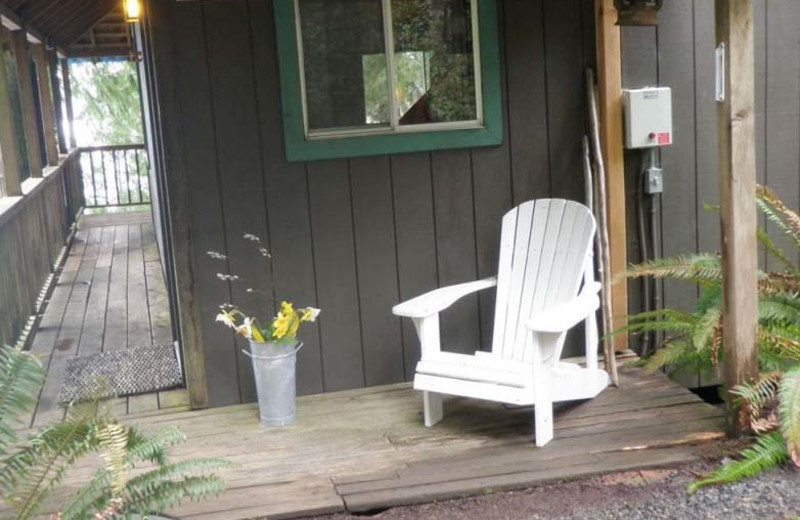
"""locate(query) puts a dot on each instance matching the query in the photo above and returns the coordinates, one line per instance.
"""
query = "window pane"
(435, 61)
(344, 61)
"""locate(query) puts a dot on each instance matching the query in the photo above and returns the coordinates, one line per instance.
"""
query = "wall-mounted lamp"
(638, 12)
(133, 11)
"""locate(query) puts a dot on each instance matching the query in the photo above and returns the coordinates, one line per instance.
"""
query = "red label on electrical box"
(664, 138)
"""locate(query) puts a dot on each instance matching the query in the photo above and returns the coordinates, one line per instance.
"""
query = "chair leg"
(543, 423)
(434, 410)
(543, 405)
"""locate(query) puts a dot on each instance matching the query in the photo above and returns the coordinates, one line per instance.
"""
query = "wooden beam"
(609, 81)
(58, 103)
(737, 175)
(19, 42)
(160, 34)
(46, 102)
(68, 102)
(8, 144)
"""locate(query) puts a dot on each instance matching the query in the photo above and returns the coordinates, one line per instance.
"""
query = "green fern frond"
(89, 498)
(21, 376)
(781, 307)
(164, 494)
(790, 412)
(695, 267)
(706, 326)
(113, 439)
(143, 448)
(773, 250)
(37, 468)
(673, 354)
(768, 452)
(778, 213)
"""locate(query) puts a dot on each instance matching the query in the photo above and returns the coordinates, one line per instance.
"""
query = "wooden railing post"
(8, 144)
(19, 41)
(737, 175)
(58, 102)
(68, 101)
(46, 102)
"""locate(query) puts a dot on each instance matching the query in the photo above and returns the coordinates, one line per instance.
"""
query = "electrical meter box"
(648, 117)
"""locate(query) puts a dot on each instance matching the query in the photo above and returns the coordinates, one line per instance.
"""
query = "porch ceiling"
(63, 22)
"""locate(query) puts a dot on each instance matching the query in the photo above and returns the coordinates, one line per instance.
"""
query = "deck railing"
(115, 175)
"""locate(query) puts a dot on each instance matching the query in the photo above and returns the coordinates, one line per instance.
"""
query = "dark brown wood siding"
(680, 54)
(355, 236)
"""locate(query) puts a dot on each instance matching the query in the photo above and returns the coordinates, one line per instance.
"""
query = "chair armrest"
(436, 301)
(563, 317)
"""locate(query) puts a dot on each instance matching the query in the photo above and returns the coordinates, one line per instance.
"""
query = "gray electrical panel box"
(648, 117)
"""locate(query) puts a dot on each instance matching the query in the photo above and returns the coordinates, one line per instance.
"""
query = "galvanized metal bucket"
(274, 369)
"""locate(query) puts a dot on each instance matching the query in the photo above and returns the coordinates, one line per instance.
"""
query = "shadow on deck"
(110, 294)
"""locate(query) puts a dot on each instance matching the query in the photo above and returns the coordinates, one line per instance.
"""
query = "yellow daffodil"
(286, 308)
(280, 325)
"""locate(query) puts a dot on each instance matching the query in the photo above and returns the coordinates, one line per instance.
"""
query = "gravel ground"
(635, 495)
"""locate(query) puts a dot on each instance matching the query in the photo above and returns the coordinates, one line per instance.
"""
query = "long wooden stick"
(602, 229)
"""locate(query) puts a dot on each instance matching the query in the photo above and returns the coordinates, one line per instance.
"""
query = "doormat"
(133, 370)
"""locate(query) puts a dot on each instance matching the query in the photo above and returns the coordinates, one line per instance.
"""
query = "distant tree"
(106, 99)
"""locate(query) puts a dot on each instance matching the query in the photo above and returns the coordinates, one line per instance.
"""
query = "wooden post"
(52, 61)
(8, 144)
(46, 102)
(19, 41)
(68, 101)
(737, 174)
(609, 83)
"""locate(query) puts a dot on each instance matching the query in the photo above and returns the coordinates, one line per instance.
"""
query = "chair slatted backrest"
(543, 250)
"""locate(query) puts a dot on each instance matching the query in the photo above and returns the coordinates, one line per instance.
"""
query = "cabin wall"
(679, 53)
(352, 236)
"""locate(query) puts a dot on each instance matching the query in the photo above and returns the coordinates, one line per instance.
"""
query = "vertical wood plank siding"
(354, 236)
(680, 54)
(33, 233)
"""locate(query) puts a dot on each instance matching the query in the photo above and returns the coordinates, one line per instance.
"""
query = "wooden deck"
(367, 449)
(357, 450)
(110, 294)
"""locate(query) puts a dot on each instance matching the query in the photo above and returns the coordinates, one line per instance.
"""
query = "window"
(366, 77)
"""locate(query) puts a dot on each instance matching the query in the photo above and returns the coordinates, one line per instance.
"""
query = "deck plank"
(106, 272)
(69, 335)
(138, 311)
(365, 449)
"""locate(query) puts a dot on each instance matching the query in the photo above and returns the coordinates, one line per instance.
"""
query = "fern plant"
(693, 340)
(33, 467)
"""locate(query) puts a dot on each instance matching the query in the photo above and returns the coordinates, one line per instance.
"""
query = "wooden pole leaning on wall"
(737, 176)
(603, 224)
(8, 145)
(68, 101)
(609, 100)
(19, 42)
(46, 103)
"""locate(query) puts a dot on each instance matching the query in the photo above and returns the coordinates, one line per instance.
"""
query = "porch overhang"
(75, 28)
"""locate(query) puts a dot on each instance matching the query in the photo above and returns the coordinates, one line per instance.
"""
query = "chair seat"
(482, 368)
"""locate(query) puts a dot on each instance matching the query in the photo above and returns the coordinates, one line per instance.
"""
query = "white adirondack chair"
(545, 258)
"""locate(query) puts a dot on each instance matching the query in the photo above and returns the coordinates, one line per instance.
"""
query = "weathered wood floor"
(367, 449)
(110, 294)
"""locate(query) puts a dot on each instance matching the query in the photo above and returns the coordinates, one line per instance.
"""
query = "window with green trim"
(368, 77)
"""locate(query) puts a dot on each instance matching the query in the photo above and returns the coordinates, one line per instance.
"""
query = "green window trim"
(299, 148)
